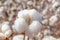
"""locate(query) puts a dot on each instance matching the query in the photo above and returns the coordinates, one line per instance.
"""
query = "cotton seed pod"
(8, 33)
(5, 27)
(18, 37)
(20, 25)
(2, 36)
(53, 20)
(49, 38)
(35, 27)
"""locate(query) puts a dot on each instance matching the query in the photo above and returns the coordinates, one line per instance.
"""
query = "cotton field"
(29, 19)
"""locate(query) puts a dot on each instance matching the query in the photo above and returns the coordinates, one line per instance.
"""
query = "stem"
(28, 38)
(24, 37)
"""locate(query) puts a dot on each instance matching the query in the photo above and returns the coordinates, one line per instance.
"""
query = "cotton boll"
(35, 27)
(47, 32)
(2, 36)
(55, 4)
(8, 33)
(29, 4)
(45, 11)
(35, 15)
(53, 20)
(7, 2)
(18, 37)
(49, 38)
(1, 9)
(20, 25)
(18, 1)
(5, 27)
(45, 22)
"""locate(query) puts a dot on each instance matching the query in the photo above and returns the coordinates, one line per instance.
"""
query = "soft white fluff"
(5, 27)
(18, 37)
(35, 27)
(2, 36)
(49, 38)
(20, 25)
(30, 15)
(35, 15)
(8, 33)
(45, 22)
(53, 20)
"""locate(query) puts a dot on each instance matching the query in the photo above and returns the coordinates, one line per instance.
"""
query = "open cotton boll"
(8, 33)
(53, 20)
(18, 37)
(35, 15)
(20, 25)
(55, 4)
(2, 36)
(30, 5)
(35, 27)
(5, 27)
(18, 1)
(45, 22)
(49, 38)
(1, 9)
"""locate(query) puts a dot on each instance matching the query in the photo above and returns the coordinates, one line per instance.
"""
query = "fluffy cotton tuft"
(35, 27)
(18, 37)
(20, 25)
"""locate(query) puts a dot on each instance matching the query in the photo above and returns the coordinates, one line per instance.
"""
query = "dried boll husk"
(20, 25)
